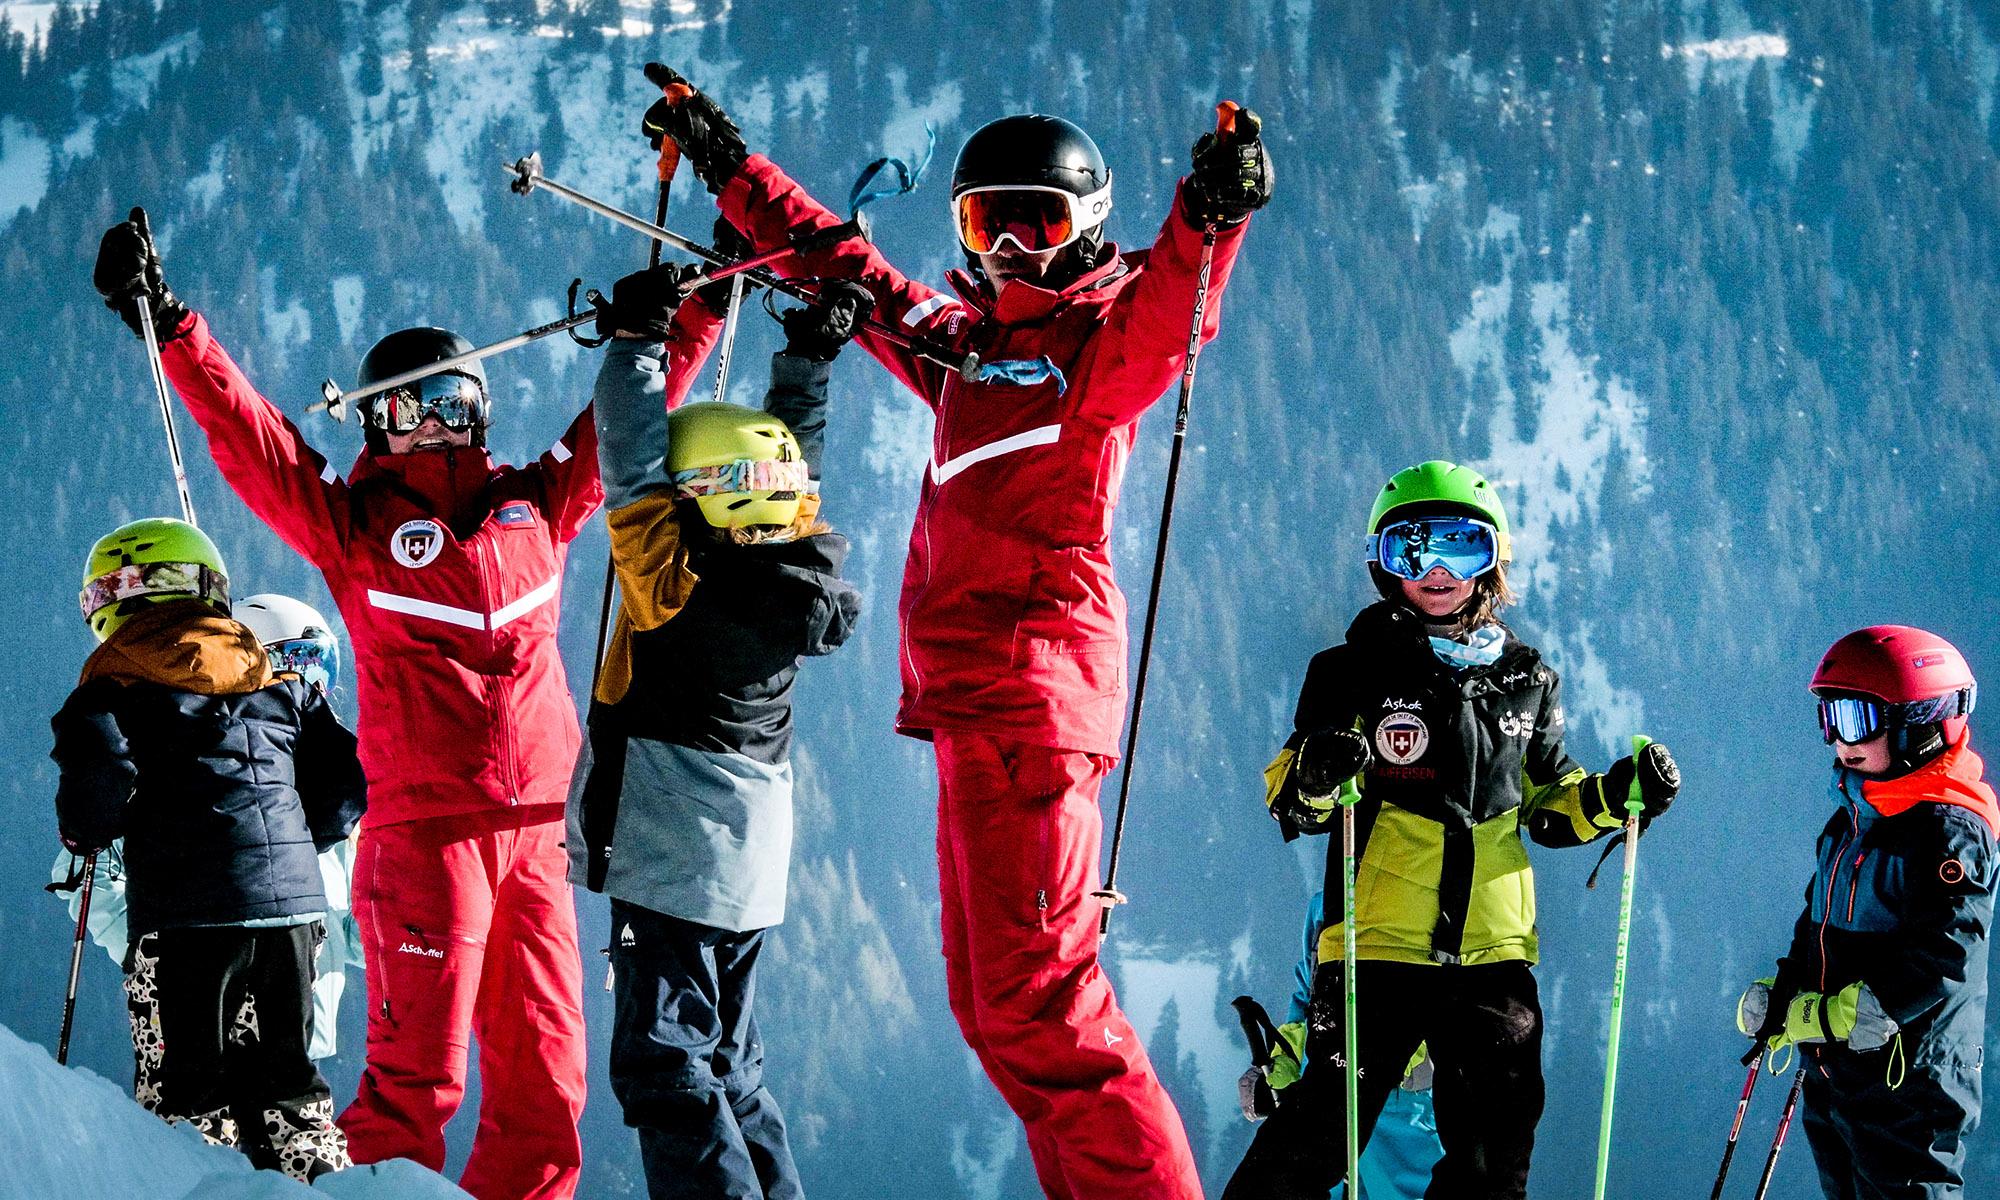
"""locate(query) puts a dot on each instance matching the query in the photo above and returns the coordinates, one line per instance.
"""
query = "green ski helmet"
(741, 465)
(147, 562)
(1440, 485)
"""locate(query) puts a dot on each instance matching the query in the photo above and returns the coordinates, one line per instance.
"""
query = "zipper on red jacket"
(923, 523)
(497, 706)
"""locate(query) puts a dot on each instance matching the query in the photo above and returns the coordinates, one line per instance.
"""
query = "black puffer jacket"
(224, 782)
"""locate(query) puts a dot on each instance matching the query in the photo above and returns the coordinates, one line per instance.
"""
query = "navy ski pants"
(1874, 1142)
(687, 1063)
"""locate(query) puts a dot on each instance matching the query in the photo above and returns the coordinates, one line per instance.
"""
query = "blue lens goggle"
(1463, 546)
(1853, 719)
(313, 659)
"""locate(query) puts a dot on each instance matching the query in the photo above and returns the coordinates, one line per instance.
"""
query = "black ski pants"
(1484, 1027)
(1874, 1142)
(687, 1062)
(221, 1018)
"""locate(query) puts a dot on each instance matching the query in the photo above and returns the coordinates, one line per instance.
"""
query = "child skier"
(681, 807)
(1885, 981)
(300, 641)
(1453, 728)
(1013, 629)
(225, 781)
(447, 568)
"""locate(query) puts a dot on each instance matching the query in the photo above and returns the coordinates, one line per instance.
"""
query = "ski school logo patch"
(1402, 738)
(415, 543)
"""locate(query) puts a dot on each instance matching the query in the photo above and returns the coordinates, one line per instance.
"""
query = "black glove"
(1232, 173)
(708, 139)
(643, 302)
(732, 245)
(1659, 782)
(818, 331)
(128, 270)
(1330, 758)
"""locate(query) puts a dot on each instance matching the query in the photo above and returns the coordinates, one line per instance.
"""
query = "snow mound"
(71, 1133)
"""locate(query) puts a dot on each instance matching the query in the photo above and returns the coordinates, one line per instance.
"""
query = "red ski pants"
(1018, 835)
(468, 928)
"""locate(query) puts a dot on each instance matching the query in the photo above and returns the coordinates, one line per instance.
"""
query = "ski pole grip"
(1634, 803)
(1225, 118)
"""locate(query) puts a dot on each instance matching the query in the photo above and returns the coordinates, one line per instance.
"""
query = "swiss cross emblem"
(416, 543)
(1402, 738)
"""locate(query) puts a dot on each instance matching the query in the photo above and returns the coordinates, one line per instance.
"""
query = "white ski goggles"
(743, 476)
(1032, 216)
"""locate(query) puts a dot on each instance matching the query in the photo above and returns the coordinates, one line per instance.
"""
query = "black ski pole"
(1736, 1127)
(76, 953)
(1109, 895)
(1784, 1127)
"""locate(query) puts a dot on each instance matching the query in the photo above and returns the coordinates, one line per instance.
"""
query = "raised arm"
(1144, 343)
(288, 484)
(773, 211)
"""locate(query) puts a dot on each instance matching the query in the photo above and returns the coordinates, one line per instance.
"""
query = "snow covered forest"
(1708, 286)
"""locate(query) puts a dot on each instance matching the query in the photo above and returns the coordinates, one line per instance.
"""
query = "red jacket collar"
(1954, 778)
(450, 483)
(1023, 302)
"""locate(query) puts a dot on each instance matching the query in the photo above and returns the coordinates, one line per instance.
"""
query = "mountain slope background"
(1707, 287)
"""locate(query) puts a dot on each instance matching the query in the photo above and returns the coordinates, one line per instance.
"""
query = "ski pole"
(158, 372)
(1784, 1128)
(335, 402)
(1633, 807)
(1349, 796)
(82, 932)
(727, 349)
(528, 177)
(1109, 895)
(668, 162)
(1736, 1127)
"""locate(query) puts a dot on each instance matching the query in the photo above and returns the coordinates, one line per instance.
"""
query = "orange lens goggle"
(1033, 218)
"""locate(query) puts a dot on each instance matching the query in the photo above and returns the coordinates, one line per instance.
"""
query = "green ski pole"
(1349, 796)
(1633, 807)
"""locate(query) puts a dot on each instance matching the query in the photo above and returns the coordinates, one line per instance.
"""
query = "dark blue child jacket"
(1903, 902)
(224, 781)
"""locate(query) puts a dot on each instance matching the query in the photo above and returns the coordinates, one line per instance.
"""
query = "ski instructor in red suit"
(1013, 631)
(447, 568)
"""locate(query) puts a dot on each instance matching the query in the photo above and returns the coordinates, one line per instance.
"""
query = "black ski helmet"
(407, 350)
(1036, 150)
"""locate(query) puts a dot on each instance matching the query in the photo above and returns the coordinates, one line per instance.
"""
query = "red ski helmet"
(1922, 681)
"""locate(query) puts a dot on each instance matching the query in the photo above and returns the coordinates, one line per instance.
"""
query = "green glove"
(1286, 1055)
(1851, 1015)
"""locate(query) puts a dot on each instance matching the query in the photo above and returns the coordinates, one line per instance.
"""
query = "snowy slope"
(72, 1134)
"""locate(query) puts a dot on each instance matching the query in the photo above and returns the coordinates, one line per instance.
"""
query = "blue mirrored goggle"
(1463, 546)
(458, 401)
(313, 659)
(1852, 719)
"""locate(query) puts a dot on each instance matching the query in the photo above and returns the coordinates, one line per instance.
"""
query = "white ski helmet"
(295, 635)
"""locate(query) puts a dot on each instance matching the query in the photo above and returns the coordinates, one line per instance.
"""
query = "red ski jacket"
(447, 569)
(1012, 625)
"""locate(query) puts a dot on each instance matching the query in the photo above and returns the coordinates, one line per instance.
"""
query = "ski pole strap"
(1454, 896)
(872, 184)
(1610, 848)
(1258, 1029)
